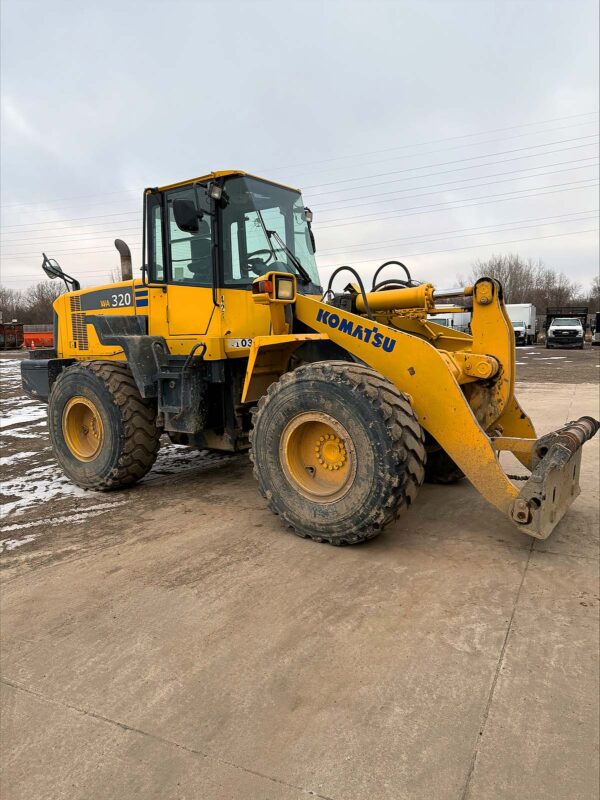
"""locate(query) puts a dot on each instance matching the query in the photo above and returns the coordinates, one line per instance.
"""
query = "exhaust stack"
(125, 253)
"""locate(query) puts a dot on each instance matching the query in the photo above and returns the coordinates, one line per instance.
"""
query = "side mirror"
(51, 268)
(187, 216)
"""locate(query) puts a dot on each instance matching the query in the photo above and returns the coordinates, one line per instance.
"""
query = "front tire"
(103, 432)
(337, 451)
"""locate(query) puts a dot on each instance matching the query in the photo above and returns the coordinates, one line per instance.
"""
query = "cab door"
(190, 272)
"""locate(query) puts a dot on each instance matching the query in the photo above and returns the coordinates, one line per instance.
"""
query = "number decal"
(239, 343)
(120, 299)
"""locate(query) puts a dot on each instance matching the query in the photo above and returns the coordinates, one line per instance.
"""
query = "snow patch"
(6, 461)
(80, 516)
(22, 414)
(25, 433)
(37, 485)
(12, 544)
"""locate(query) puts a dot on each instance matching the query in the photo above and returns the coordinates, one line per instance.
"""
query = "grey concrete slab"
(187, 615)
(541, 738)
(90, 758)
(346, 671)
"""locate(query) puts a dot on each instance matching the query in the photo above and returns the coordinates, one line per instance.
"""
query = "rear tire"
(337, 451)
(103, 433)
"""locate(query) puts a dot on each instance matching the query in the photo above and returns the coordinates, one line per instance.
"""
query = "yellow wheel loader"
(347, 400)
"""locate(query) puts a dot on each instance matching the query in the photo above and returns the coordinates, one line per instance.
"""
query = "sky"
(436, 133)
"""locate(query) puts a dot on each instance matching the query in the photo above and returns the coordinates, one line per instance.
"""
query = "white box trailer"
(523, 318)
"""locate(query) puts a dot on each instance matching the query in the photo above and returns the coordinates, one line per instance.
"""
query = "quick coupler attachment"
(554, 480)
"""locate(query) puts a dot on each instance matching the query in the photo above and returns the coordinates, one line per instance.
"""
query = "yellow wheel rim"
(318, 457)
(82, 428)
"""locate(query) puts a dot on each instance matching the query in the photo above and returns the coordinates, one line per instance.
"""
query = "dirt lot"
(173, 641)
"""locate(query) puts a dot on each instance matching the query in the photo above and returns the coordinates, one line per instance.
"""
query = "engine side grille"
(78, 325)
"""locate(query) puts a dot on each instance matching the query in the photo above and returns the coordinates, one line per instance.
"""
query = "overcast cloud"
(372, 108)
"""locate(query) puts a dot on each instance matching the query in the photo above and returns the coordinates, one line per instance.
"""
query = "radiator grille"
(78, 325)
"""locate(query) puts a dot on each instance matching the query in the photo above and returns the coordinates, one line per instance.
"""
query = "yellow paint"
(269, 359)
(82, 427)
(416, 367)
(318, 457)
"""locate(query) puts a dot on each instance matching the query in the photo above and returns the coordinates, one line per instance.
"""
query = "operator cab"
(224, 230)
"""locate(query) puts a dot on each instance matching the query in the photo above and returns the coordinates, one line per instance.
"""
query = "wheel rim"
(318, 456)
(82, 428)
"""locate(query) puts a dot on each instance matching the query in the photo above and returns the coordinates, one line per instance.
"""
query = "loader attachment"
(554, 481)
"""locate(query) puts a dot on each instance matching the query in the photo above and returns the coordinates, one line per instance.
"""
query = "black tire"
(130, 439)
(440, 468)
(381, 427)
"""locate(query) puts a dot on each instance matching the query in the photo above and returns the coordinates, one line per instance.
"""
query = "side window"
(234, 252)
(190, 253)
(155, 241)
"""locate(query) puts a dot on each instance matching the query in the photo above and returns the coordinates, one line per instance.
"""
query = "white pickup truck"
(565, 332)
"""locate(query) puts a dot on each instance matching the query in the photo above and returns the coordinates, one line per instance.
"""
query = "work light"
(285, 289)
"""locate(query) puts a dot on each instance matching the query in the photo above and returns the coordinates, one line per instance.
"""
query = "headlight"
(285, 289)
(579, 333)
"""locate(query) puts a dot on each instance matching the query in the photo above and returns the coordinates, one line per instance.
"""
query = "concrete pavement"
(182, 646)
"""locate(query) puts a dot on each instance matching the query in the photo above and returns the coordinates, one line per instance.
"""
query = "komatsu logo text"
(370, 335)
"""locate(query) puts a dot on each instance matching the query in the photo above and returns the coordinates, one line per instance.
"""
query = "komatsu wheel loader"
(346, 400)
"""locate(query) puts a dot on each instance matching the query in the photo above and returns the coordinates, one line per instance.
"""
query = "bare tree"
(33, 306)
(39, 300)
(12, 304)
(528, 281)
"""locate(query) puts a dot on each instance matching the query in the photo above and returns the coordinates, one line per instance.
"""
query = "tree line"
(528, 281)
(32, 306)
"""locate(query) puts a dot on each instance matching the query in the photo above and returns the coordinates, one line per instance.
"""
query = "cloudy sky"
(433, 132)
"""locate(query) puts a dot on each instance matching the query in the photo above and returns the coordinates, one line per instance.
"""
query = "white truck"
(523, 318)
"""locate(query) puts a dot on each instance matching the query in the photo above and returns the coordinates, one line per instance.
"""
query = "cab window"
(190, 254)
(156, 268)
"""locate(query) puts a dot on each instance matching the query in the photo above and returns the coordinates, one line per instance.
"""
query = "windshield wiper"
(299, 268)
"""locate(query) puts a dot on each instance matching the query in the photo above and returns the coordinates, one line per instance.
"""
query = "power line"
(360, 155)
(471, 145)
(541, 220)
(392, 212)
(436, 141)
(83, 237)
(413, 211)
(60, 237)
(73, 219)
(464, 180)
(458, 169)
(429, 239)
(457, 189)
(474, 246)
(463, 160)
(409, 255)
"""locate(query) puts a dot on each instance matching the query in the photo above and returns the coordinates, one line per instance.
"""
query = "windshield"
(258, 215)
(565, 322)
